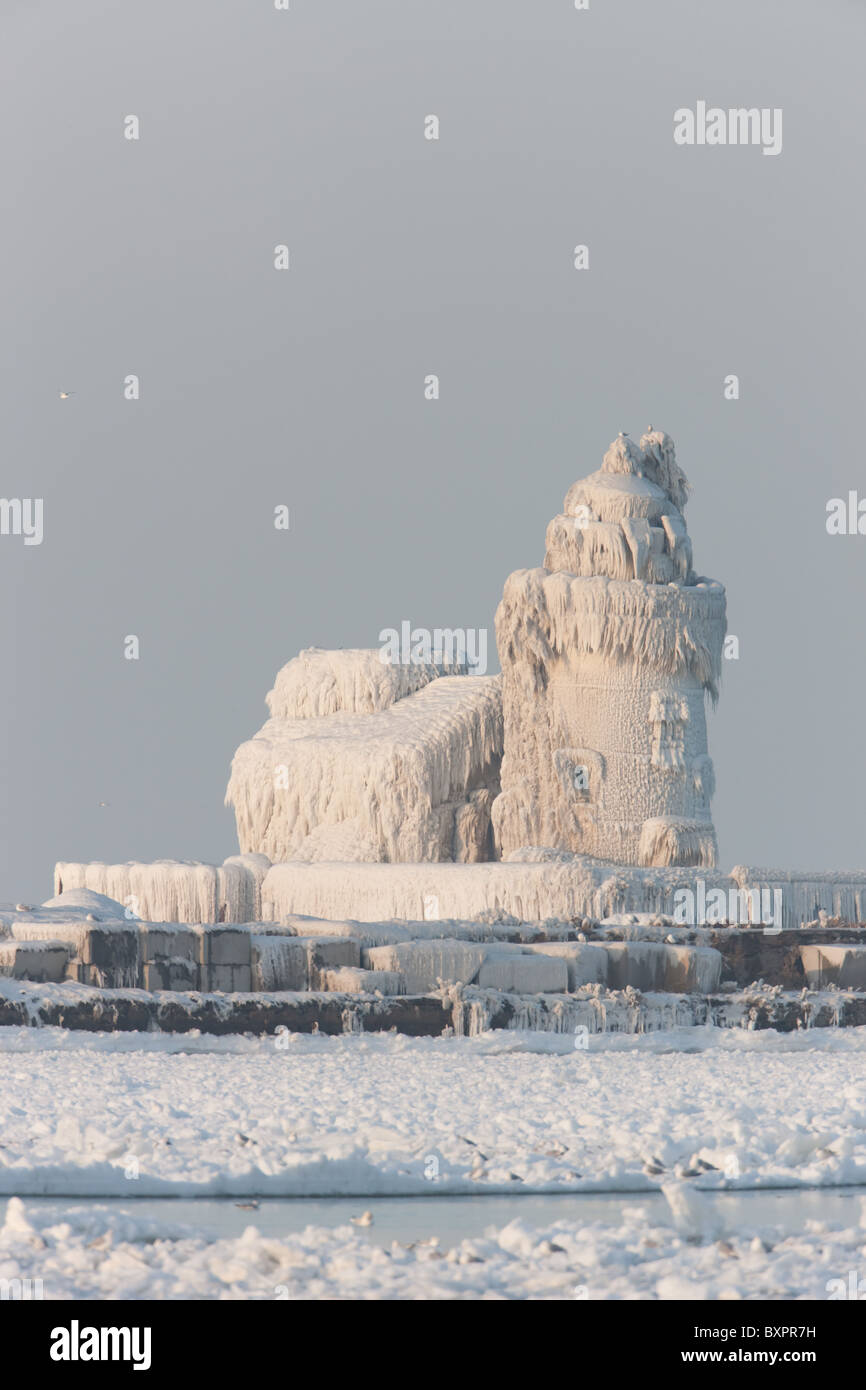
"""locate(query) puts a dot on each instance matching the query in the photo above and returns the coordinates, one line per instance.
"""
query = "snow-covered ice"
(361, 1114)
(105, 1254)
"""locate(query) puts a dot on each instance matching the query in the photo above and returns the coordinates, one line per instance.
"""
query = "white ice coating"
(540, 885)
(173, 891)
(317, 683)
(550, 967)
(653, 966)
(402, 765)
(607, 654)
(561, 887)
(367, 900)
(805, 895)
(68, 918)
(675, 840)
(427, 965)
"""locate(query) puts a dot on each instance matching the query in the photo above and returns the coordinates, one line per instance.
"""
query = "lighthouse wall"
(604, 690)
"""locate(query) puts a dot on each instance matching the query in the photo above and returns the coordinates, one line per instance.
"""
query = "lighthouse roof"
(612, 496)
(625, 521)
(635, 480)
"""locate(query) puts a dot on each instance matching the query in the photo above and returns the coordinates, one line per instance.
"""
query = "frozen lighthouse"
(607, 655)
(573, 786)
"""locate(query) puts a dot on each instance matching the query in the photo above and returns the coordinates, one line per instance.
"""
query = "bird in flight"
(64, 395)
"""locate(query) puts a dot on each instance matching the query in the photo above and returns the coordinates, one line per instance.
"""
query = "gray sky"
(306, 388)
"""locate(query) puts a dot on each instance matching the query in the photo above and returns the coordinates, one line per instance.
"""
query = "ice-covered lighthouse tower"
(607, 655)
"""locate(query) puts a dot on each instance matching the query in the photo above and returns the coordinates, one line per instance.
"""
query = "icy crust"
(317, 683)
(411, 782)
(360, 1113)
(668, 629)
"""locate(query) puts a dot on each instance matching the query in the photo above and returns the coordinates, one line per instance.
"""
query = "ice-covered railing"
(806, 896)
(536, 886)
(558, 886)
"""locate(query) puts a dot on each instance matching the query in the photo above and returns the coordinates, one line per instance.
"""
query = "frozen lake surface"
(362, 1116)
(453, 1219)
(697, 1164)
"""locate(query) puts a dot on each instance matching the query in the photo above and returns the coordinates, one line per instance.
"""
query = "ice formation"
(172, 890)
(409, 829)
(359, 1114)
(366, 761)
(528, 890)
(607, 654)
(533, 886)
